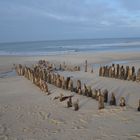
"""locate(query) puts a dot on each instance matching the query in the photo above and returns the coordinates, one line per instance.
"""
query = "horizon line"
(14, 42)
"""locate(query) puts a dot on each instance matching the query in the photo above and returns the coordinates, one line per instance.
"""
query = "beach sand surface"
(26, 113)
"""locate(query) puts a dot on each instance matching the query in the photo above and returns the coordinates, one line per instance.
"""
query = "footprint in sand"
(56, 121)
(138, 135)
(0, 114)
(27, 130)
(83, 121)
(19, 116)
(132, 138)
(2, 133)
(96, 138)
(36, 107)
(3, 137)
(125, 119)
(4, 108)
(80, 128)
(51, 132)
(78, 125)
(44, 115)
(96, 115)
(18, 108)
(135, 137)
(2, 129)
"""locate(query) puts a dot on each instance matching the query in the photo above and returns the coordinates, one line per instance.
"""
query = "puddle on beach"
(7, 74)
(115, 62)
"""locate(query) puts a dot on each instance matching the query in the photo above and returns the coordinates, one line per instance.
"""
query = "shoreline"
(100, 58)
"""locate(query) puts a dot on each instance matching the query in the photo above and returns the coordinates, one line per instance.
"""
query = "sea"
(56, 47)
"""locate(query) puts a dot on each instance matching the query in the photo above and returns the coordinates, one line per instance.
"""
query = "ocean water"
(69, 46)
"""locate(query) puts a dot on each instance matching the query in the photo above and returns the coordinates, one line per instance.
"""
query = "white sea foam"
(125, 44)
(3, 53)
(71, 46)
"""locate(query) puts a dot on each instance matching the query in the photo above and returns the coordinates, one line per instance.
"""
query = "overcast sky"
(31, 20)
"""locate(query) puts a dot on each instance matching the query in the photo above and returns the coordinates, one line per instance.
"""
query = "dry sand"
(26, 113)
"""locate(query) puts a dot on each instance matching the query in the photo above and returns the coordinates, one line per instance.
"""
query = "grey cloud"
(131, 5)
(68, 18)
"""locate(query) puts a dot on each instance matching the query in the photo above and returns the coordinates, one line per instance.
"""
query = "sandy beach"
(26, 113)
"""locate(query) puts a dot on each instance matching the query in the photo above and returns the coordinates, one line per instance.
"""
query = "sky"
(33, 20)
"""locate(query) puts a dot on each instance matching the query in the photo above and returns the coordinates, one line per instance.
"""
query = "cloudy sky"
(31, 20)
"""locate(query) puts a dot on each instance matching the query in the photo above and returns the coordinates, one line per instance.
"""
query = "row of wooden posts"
(40, 75)
(120, 72)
